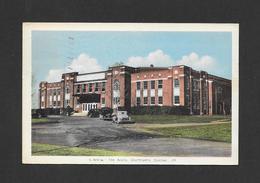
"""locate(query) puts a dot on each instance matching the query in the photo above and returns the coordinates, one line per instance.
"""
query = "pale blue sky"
(51, 49)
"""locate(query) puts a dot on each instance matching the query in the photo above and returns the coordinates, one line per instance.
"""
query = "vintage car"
(106, 113)
(121, 117)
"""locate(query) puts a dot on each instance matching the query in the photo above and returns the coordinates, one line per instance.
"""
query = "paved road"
(95, 133)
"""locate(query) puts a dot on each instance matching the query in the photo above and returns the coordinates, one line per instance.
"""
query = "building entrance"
(86, 107)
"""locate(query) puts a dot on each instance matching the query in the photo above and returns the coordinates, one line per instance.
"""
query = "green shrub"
(159, 110)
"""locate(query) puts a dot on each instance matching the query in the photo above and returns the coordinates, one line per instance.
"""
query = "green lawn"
(55, 150)
(166, 119)
(215, 132)
(39, 120)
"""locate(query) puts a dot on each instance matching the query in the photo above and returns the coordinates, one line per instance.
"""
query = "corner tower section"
(119, 87)
(67, 81)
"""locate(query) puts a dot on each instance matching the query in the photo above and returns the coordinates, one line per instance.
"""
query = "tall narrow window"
(103, 101)
(138, 101)
(67, 90)
(54, 92)
(84, 88)
(152, 84)
(145, 100)
(96, 86)
(103, 86)
(78, 88)
(116, 93)
(177, 99)
(90, 87)
(160, 83)
(116, 85)
(176, 83)
(145, 85)
(160, 100)
(138, 85)
(176, 91)
(152, 100)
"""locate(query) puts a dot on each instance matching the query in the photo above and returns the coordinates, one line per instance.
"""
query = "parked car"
(121, 117)
(93, 113)
(39, 113)
(106, 113)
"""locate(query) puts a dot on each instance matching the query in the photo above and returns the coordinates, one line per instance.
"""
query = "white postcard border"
(27, 157)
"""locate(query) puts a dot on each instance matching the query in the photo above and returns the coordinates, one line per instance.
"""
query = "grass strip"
(166, 119)
(56, 150)
(216, 132)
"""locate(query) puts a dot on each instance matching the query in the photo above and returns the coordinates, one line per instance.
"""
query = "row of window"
(152, 84)
(54, 91)
(152, 100)
(90, 87)
(145, 100)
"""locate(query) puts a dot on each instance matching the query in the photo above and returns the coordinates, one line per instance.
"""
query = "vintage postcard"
(130, 93)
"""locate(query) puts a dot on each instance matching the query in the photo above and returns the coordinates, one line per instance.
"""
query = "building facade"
(123, 86)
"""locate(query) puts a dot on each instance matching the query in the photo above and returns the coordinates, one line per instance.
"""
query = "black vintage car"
(39, 113)
(106, 113)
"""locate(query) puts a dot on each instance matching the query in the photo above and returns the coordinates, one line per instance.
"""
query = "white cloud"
(82, 64)
(54, 75)
(157, 58)
(193, 60)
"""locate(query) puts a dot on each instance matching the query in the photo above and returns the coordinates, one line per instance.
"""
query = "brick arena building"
(123, 86)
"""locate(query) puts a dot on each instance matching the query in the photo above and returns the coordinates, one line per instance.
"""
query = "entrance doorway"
(86, 107)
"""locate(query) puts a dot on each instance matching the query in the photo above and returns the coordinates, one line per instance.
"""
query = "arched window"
(116, 85)
(116, 93)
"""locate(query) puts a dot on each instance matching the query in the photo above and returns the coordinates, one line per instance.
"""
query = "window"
(116, 85)
(152, 100)
(103, 101)
(103, 86)
(84, 88)
(96, 86)
(196, 85)
(177, 99)
(90, 87)
(152, 84)
(54, 103)
(58, 91)
(138, 101)
(176, 83)
(58, 103)
(138, 85)
(78, 88)
(145, 100)
(160, 83)
(54, 92)
(145, 85)
(160, 100)
(67, 102)
(67, 90)
(117, 100)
